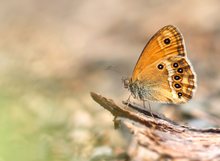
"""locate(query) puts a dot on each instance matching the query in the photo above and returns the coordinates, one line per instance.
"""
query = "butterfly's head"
(126, 81)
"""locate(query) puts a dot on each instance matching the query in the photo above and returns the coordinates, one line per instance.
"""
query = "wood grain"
(155, 137)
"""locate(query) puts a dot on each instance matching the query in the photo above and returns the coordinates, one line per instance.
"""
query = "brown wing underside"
(175, 82)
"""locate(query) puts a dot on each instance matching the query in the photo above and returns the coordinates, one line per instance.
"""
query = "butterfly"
(163, 72)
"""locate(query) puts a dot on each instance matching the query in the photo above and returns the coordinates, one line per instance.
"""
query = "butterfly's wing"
(163, 72)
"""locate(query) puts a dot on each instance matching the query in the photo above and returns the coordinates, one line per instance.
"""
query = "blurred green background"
(53, 53)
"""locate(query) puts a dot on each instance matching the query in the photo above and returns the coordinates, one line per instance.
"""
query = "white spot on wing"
(170, 73)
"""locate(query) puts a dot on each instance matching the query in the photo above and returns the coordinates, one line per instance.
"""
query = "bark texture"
(155, 137)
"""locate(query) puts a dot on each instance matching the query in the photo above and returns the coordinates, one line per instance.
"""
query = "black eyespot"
(175, 65)
(177, 77)
(177, 85)
(166, 41)
(180, 94)
(180, 70)
(160, 66)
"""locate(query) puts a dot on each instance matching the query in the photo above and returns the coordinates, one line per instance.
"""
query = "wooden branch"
(158, 138)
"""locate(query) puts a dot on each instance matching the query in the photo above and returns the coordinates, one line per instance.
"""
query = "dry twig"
(157, 138)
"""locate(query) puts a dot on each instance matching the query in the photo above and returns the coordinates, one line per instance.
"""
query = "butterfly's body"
(163, 72)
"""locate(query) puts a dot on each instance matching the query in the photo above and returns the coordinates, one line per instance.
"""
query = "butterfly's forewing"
(163, 70)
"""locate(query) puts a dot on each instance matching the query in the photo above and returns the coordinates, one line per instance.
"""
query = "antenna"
(110, 67)
(123, 77)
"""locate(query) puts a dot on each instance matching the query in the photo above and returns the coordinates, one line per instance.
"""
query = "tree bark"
(155, 137)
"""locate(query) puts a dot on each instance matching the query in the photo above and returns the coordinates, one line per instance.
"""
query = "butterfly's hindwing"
(181, 78)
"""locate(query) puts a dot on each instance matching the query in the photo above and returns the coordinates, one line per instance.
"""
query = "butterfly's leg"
(149, 106)
(128, 100)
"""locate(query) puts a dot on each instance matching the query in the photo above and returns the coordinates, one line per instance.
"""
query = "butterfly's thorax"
(135, 89)
(139, 90)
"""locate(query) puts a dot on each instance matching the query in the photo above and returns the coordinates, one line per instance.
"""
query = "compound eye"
(126, 83)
